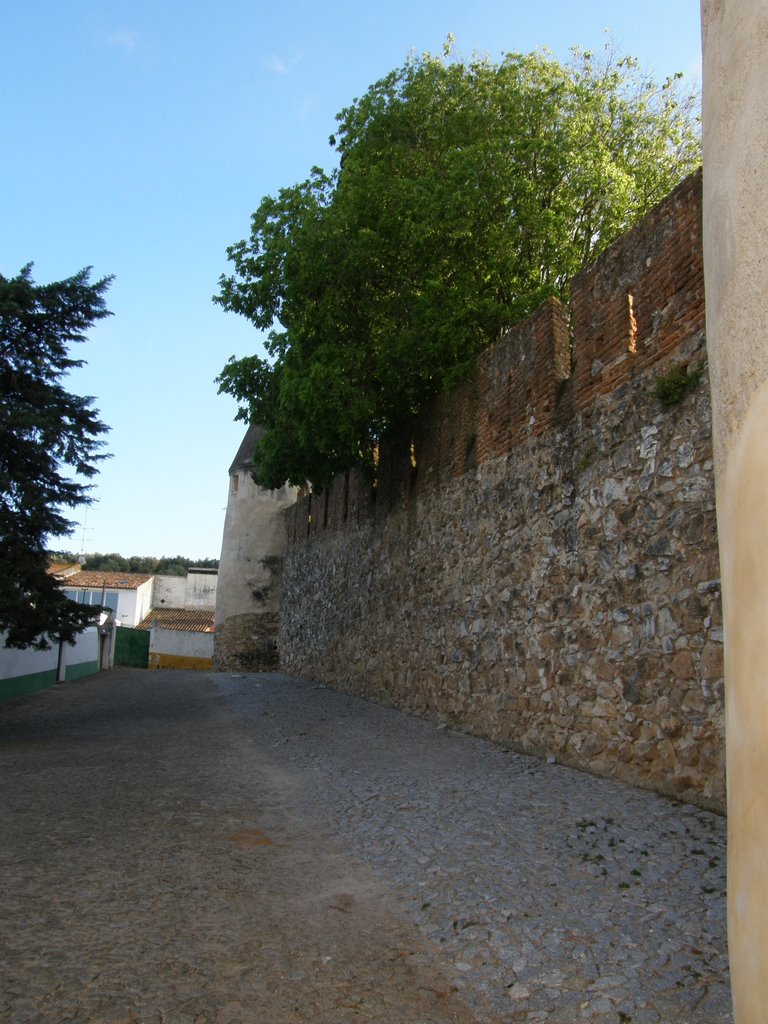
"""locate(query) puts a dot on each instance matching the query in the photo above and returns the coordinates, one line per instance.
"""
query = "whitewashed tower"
(735, 121)
(250, 568)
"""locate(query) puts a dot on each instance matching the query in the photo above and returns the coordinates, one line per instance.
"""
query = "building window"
(108, 598)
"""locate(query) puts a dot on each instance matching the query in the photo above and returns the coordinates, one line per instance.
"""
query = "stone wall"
(537, 562)
(247, 643)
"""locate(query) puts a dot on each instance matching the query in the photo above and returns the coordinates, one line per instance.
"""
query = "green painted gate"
(131, 647)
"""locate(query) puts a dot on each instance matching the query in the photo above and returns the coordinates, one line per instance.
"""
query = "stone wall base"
(247, 643)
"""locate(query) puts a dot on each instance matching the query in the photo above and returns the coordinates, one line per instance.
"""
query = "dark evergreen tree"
(45, 432)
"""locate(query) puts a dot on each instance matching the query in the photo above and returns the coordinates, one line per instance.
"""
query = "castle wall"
(249, 587)
(735, 136)
(537, 562)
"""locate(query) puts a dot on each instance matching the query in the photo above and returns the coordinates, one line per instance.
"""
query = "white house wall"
(143, 600)
(170, 592)
(201, 590)
(195, 590)
(133, 605)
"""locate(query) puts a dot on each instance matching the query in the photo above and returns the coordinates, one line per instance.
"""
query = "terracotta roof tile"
(63, 569)
(110, 580)
(179, 618)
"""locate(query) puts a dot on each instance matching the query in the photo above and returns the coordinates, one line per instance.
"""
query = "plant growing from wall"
(672, 387)
(466, 193)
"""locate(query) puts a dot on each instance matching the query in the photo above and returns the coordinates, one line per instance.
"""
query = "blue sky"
(139, 137)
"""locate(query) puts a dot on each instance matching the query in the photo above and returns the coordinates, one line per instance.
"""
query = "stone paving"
(193, 849)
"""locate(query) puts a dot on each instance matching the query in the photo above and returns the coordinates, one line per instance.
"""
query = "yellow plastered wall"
(157, 660)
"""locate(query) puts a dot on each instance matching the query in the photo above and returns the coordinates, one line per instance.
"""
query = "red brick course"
(638, 306)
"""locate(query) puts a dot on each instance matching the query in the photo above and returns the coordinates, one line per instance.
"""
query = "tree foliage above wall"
(467, 192)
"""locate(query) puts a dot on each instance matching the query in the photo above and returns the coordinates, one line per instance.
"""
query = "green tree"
(176, 565)
(467, 192)
(43, 430)
(67, 557)
(110, 562)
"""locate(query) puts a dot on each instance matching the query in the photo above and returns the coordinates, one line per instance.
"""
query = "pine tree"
(45, 431)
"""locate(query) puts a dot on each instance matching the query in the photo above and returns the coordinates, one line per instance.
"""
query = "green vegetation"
(467, 192)
(672, 387)
(174, 565)
(43, 431)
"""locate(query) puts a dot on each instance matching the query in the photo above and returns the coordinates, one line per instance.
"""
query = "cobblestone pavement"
(183, 848)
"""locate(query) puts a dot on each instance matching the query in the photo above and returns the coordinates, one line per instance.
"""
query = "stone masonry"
(537, 561)
(248, 643)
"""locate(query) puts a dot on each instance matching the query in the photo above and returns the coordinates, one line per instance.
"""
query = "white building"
(127, 594)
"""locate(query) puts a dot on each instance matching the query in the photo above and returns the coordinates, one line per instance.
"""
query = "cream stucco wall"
(250, 567)
(735, 121)
(735, 110)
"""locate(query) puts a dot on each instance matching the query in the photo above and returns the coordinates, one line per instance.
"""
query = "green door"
(132, 647)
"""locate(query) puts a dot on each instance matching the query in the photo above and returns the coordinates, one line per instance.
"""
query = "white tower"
(735, 122)
(250, 568)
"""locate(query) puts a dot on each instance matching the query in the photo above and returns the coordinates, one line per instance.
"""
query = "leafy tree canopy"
(467, 192)
(43, 430)
(167, 565)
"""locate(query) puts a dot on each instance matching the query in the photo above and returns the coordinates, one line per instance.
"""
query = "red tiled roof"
(63, 569)
(179, 618)
(109, 580)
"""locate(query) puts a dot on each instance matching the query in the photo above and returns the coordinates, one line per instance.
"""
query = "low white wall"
(179, 648)
(23, 672)
(86, 648)
(15, 663)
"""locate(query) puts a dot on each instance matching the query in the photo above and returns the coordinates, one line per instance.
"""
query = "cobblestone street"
(211, 849)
